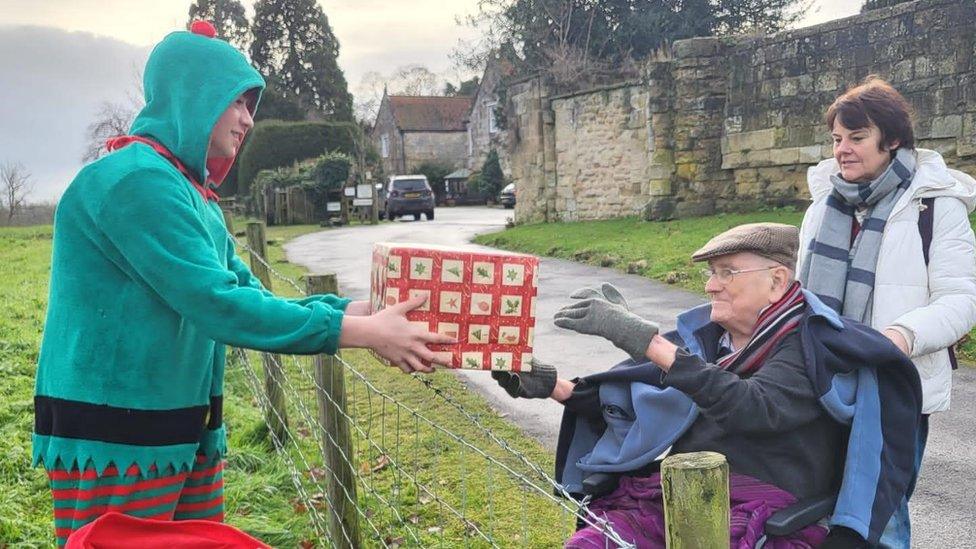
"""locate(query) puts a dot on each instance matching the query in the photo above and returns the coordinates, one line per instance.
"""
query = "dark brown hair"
(876, 102)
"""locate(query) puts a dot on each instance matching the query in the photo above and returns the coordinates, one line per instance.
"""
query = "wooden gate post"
(696, 500)
(228, 220)
(276, 415)
(337, 450)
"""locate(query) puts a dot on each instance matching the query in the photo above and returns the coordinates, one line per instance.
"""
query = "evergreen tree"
(295, 50)
(227, 17)
(492, 178)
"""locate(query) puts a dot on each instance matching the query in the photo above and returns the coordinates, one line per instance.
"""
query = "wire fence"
(429, 464)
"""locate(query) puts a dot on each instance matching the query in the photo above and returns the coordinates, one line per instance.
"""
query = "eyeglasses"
(724, 276)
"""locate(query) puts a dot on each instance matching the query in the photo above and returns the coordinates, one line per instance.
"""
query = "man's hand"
(537, 383)
(393, 337)
(627, 331)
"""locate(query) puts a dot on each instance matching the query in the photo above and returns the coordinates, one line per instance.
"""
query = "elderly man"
(752, 375)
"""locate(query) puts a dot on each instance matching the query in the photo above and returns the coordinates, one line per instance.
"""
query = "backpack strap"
(926, 219)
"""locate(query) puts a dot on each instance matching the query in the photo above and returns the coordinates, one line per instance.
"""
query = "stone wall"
(602, 142)
(733, 124)
(448, 148)
(532, 157)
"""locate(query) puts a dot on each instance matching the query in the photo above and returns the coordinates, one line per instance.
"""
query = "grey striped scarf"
(842, 274)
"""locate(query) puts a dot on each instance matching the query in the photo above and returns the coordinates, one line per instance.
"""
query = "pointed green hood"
(189, 81)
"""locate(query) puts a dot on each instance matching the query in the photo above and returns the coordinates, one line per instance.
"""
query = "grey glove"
(607, 292)
(627, 331)
(537, 383)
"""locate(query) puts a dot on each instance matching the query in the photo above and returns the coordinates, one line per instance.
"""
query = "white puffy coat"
(937, 304)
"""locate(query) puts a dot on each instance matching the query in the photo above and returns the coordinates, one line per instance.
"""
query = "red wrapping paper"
(485, 300)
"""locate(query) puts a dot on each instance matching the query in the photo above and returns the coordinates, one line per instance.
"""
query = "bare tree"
(405, 80)
(114, 118)
(15, 186)
(416, 80)
(367, 96)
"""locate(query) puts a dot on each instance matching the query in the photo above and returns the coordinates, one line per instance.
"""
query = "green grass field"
(657, 250)
(260, 495)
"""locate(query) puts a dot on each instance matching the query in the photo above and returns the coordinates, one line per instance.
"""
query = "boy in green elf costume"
(146, 291)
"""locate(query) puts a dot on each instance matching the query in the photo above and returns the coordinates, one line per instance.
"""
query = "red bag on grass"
(118, 531)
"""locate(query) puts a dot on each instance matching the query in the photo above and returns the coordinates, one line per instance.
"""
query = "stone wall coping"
(598, 89)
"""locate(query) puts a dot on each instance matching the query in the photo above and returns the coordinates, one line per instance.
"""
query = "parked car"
(507, 196)
(409, 194)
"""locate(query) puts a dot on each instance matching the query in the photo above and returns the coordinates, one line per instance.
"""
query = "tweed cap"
(774, 241)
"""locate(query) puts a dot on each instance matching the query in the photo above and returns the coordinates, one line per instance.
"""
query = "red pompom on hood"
(204, 28)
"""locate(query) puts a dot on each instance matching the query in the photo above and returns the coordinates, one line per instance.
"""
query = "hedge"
(274, 143)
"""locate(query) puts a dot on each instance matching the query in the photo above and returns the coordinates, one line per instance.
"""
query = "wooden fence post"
(228, 220)
(337, 448)
(696, 500)
(276, 415)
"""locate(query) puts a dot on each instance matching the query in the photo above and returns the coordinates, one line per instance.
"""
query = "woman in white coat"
(861, 247)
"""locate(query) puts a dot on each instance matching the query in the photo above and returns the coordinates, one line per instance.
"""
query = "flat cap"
(775, 241)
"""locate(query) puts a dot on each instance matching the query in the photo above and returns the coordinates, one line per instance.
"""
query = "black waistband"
(74, 419)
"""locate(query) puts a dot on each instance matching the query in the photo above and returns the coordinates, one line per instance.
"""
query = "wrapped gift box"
(485, 300)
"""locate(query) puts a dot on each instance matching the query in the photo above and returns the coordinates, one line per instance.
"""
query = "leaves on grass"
(381, 463)
(316, 473)
(392, 542)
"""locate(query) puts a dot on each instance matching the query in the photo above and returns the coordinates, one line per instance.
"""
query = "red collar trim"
(207, 193)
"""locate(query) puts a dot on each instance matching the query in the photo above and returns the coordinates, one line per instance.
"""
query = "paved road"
(944, 505)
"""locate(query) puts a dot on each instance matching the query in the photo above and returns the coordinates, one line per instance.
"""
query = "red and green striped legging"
(81, 496)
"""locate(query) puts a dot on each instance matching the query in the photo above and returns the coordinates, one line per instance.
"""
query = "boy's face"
(229, 131)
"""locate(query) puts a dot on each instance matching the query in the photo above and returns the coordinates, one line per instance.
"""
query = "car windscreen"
(410, 185)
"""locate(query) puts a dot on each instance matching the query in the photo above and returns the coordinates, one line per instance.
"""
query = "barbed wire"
(543, 484)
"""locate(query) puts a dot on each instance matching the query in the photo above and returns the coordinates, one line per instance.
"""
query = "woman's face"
(859, 152)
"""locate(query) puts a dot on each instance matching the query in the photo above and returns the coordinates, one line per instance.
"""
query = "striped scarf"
(839, 272)
(774, 323)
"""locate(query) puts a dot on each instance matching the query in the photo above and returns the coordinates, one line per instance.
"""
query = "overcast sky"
(60, 59)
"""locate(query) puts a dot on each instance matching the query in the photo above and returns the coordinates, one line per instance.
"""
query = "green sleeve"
(246, 278)
(333, 301)
(162, 240)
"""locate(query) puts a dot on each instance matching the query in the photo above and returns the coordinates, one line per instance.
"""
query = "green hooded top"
(146, 289)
